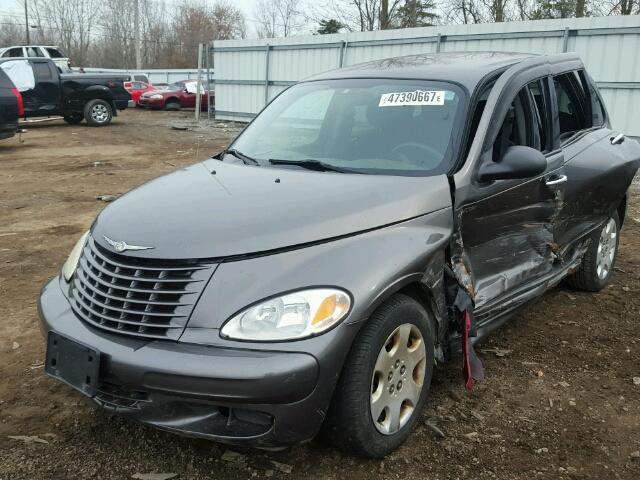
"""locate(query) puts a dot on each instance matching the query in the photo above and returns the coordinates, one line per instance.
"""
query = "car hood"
(241, 209)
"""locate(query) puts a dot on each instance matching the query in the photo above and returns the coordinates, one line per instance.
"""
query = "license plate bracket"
(73, 363)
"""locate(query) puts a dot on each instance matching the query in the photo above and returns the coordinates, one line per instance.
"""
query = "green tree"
(417, 13)
(330, 26)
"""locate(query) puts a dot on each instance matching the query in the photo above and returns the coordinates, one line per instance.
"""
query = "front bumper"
(256, 398)
(151, 102)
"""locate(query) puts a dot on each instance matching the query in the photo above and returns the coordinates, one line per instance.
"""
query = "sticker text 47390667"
(417, 97)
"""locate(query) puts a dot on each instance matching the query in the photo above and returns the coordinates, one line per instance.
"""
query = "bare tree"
(73, 22)
(278, 18)
(463, 11)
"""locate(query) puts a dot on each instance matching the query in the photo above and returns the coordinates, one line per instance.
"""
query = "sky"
(16, 7)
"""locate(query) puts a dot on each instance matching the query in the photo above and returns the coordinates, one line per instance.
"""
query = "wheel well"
(172, 100)
(421, 295)
(622, 209)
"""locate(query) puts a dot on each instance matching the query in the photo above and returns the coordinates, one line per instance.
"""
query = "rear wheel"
(98, 113)
(172, 106)
(599, 259)
(74, 118)
(385, 380)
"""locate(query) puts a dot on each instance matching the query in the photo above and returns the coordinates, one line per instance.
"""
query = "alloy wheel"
(606, 249)
(100, 113)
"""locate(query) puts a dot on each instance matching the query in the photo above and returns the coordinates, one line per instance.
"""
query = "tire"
(98, 113)
(599, 259)
(172, 106)
(73, 119)
(362, 388)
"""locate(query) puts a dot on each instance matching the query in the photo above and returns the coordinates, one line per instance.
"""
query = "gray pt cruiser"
(370, 224)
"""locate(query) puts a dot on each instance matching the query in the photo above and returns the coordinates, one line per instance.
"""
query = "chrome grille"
(136, 296)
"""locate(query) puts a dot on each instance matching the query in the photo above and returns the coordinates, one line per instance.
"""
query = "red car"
(178, 95)
(136, 89)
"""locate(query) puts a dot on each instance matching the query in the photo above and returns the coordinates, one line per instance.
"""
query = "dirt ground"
(559, 400)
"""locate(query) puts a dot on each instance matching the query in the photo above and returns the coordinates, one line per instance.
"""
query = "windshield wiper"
(246, 159)
(312, 164)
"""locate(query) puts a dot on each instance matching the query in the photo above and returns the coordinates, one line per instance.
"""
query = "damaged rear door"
(506, 230)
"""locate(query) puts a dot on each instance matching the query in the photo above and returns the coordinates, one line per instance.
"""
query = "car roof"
(465, 68)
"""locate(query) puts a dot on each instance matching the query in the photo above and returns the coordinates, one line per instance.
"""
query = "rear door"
(44, 99)
(598, 169)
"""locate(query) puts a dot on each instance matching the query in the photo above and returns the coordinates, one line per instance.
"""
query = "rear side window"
(42, 71)
(572, 105)
(54, 53)
(34, 52)
(138, 86)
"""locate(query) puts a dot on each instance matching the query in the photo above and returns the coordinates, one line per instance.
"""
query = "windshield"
(175, 86)
(377, 126)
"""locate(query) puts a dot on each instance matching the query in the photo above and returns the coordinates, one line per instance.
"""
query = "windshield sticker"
(418, 97)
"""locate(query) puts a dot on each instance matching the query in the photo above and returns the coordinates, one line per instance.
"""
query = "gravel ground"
(559, 401)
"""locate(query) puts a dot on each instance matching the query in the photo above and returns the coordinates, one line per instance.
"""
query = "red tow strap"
(472, 368)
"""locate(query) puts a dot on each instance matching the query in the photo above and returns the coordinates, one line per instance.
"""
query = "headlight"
(156, 97)
(69, 267)
(295, 315)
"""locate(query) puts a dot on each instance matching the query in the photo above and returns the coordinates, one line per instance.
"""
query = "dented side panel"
(508, 239)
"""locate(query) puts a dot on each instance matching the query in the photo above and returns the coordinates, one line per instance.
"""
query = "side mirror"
(517, 162)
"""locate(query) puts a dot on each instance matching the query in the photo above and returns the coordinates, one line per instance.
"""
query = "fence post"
(341, 58)
(565, 40)
(266, 74)
(198, 83)
(438, 41)
(207, 60)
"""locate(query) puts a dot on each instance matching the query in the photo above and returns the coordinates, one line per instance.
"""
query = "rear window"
(5, 81)
(54, 53)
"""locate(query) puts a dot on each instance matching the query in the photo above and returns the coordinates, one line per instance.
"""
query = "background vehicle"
(39, 51)
(178, 95)
(361, 229)
(94, 97)
(137, 88)
(11, 107)
(137, 77)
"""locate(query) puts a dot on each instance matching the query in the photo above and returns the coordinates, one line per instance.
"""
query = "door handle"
(556, 180)
(617, 139)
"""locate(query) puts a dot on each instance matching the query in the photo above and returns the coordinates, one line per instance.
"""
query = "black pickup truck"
(95, 98)
(10, 107)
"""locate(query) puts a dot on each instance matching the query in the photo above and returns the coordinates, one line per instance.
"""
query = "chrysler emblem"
(120, 246)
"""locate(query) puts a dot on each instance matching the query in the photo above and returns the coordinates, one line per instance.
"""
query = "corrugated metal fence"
(251, 72)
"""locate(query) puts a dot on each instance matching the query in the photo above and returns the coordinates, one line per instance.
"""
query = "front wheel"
(98, 113)
(385, 380)
(172, 106)
(599, 259)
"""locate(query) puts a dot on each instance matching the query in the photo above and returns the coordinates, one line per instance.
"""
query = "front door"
(507, 231)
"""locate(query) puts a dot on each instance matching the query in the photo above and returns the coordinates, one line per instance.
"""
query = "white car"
(56, 54)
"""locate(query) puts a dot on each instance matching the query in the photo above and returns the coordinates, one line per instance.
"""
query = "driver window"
(522, 124)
